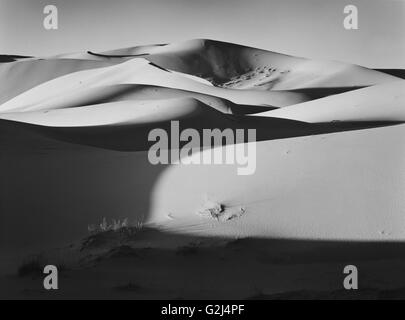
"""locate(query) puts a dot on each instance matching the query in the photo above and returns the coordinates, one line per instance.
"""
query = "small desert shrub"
(218, 211)
(211, 209)
(118, 233)
(105, 226)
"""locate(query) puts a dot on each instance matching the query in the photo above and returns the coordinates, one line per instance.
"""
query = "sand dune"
(201, 61)
(377, 103)
(74, 149)
(348, 180)
(336, 186)
(73, 89)
(113, 99)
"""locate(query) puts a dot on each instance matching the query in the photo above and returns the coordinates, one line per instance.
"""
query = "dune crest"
(237, 66)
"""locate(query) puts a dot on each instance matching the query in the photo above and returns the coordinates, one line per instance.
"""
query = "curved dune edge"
(383, 102)
(137, 92)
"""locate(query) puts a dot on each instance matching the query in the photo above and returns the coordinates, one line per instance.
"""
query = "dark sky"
(310, 28)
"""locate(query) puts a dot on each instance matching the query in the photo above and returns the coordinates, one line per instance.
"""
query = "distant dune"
(237, 66)
(222, 64)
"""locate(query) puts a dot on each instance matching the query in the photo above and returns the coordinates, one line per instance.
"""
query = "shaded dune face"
(400, 73)
(209, 61)
(11, 57)
(125, 126)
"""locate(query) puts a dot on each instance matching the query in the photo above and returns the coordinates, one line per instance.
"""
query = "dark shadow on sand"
(127, 137)
(400, 73)
(11, 57)
(243, 268)
(321, 92)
